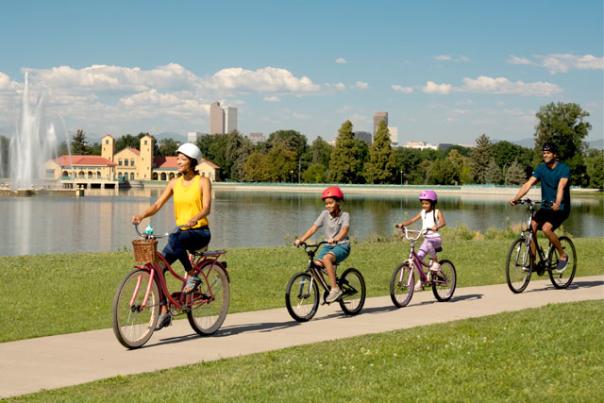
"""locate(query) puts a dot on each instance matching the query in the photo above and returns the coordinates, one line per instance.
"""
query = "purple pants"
(429, 247)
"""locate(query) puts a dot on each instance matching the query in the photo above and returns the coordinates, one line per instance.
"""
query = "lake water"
(101, 222)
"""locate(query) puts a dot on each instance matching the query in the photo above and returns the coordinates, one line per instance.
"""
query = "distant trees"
(380, 167)
(481, 156)
(79, 144)
(347, 157)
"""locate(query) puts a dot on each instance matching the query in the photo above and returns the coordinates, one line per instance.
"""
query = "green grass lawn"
(554, 353)
(55, 294)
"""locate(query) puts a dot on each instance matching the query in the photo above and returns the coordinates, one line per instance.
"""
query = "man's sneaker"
(562, 264)
(165, 319)
(334, 294)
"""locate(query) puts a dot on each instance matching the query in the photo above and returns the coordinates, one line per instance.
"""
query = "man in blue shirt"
(555, 192)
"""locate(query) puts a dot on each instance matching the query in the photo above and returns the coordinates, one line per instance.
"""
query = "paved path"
(56, 361)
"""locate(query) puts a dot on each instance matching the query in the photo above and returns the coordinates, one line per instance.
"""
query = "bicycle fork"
(137, 288)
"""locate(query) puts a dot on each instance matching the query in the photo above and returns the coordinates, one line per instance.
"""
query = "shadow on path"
(574, 286)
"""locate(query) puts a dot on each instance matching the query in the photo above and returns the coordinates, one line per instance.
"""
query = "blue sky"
(445, 71)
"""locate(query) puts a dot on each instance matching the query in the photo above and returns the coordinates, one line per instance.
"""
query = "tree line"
(286, 156)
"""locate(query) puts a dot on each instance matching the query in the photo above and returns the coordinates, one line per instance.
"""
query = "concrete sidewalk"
(51, 362)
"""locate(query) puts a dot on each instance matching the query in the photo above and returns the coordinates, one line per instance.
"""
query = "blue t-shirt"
(549, 179)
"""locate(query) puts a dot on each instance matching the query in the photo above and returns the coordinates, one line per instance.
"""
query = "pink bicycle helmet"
(332, 191)
(428, 195)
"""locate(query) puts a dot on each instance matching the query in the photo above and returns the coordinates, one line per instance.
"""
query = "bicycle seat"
(208, 253)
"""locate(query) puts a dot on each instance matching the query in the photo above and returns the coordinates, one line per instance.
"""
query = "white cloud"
(341, 60)
(562, 62)
(519, 60)
(502, 85)
(401, 89)
(449, 58)
(272, 98)
(340, 86)
(361, 85)
(6, 84)
(267, 79)
(433, 88)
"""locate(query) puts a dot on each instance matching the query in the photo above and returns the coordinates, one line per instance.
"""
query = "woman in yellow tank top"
(192, 204)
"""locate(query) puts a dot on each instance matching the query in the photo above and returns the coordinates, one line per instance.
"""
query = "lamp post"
(401, 177)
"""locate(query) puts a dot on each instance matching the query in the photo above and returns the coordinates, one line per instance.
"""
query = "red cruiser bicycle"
(136, 303)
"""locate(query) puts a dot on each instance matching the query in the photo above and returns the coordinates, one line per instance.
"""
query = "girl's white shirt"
(429, 220)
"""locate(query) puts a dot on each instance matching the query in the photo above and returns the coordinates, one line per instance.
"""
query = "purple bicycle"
(402, 285)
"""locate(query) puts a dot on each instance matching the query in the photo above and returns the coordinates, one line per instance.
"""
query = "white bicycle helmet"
(191, 151)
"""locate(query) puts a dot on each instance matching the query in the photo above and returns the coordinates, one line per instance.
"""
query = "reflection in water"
(48, 224)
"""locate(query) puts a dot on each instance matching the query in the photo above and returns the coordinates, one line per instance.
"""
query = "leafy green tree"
(315, 173)
(595, 168)
(493, 173)
(505, 153)
(229, 151)
(347, 159)
(515, 174)
(381, 165)
(282, 163)
(291, 139)
(481, 157)
(79, 144)
(320, 152)
(125, 141)
(442, 172)
(256, 168)
(408, 160)
(168, 146)
(563, 124)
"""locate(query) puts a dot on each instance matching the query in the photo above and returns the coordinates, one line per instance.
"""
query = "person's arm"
(340, 235)
(441, 221)
(409, 221)
(155, 207)
(559, 194)
(310, 232)
(206, 201)
(523, 190)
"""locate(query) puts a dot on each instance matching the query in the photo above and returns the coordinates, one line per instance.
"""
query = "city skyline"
(444, 72)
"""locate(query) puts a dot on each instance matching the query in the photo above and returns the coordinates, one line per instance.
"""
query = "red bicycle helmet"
(332, 191)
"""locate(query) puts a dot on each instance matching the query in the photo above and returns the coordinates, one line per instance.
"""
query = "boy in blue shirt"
(555, 190)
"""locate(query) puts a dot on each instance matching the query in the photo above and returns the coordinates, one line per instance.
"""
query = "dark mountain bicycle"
(522, 262)
(302, 293)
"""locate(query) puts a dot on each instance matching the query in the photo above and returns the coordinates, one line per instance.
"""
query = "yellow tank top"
(188, 201)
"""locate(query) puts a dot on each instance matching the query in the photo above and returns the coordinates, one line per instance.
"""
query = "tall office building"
(377, 118)
(192, 137)
(216, 118)
(230, 118)
(393, 135)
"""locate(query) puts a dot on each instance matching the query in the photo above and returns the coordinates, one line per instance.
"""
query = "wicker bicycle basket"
(144, 250)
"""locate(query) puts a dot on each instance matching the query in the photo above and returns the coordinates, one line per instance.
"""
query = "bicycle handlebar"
(153, 236)
(534, 202)
(415, 231)
(314, 247)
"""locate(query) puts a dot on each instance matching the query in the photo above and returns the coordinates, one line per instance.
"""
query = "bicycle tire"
(354, 291)
(210, 302)
(302, 297)
(518, 266)
(555, 275)
(444, 279)
(132, 326)
(403, 280)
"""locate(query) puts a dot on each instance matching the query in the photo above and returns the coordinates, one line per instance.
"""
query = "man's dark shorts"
(556, 218)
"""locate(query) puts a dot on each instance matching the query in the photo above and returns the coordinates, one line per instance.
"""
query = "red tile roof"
(88, 160)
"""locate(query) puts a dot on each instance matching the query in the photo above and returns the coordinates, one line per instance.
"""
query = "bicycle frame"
(156, 273)
(414, 261)
(530, 235)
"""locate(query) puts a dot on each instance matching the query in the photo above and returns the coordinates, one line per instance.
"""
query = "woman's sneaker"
(334, 294)
(435, 266)
(165, 320)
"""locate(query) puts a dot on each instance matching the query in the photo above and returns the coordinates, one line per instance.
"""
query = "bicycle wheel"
(133, 323)
(353, 289)
(563, 278)
(401, 285)
(210, 303)
(302, 297)
(444, 281)
(518, 266)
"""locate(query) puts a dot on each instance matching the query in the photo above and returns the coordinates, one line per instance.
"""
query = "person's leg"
(548, 231)
(329, 261)
(192, 240)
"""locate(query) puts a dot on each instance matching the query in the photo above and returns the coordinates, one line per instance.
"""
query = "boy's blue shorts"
(340, 251)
